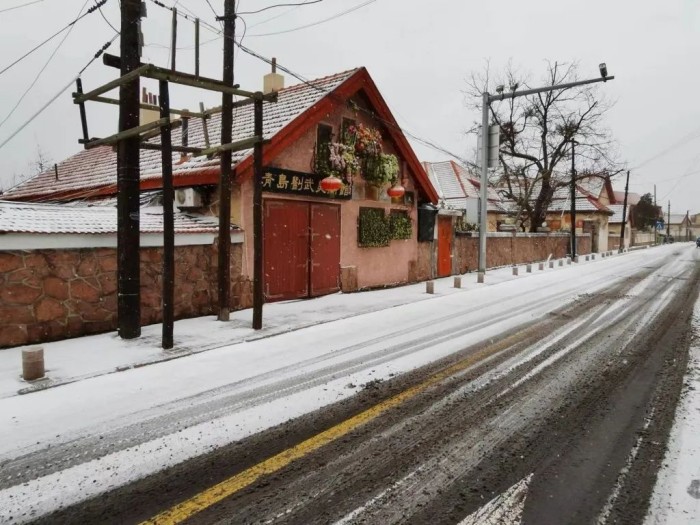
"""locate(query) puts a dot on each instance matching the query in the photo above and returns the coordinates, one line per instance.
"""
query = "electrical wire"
(279, 5)
(63, 90)
(337, 15)
(21, 5)
(108, 22)
(92, 9)
(46, 64)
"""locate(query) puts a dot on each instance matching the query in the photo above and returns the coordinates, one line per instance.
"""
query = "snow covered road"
(73, 443)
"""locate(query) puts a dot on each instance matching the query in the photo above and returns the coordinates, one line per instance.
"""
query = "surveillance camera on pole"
(486, 146)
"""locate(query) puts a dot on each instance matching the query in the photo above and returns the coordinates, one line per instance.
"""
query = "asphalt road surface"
(561, 420)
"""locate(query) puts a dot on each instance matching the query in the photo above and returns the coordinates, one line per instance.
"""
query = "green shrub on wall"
(400, 224)
(374, 229)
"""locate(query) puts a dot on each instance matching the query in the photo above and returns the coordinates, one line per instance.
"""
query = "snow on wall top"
(17, 217)
(91, 170)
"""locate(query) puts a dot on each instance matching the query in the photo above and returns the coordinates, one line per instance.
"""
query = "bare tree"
(39, 164)
(536, 135)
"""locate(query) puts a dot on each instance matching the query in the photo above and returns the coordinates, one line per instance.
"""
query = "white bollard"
(541, 266)
(551, 264)
(528, 268)
(458, 282)
(561, 262)
(429, 287)
(515, 270)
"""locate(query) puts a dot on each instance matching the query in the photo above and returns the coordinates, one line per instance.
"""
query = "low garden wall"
(504, 249)
(47, 295)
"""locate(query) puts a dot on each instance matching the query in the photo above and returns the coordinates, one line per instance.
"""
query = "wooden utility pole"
(224, 268)
(128, 205)
(668, 224)
(624, 215)
(168, 219)
(258, 297)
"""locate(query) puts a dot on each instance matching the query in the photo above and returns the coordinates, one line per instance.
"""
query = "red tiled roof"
(88, 172)
(93, 172)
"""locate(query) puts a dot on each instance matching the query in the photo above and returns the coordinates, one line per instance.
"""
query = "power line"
(279, 5)
(46, 64)
(63, 90)
(337, 15)
(89, 11)
(21, 5)
(394, 125)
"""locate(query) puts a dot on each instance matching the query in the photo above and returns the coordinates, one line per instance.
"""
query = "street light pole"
(484, 185)
(486, 104)
(573, 200)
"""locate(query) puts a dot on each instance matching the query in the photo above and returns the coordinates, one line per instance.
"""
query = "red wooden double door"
(301, 249)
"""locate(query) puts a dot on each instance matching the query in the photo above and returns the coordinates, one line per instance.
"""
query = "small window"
(324, 136)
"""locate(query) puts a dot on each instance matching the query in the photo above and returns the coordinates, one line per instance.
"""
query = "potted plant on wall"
(378, 168)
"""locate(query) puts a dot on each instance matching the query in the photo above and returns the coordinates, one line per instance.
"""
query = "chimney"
(273, 81)
(146, 116)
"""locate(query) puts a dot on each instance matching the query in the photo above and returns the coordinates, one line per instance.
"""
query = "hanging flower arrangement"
(378, 168)
(342, 159)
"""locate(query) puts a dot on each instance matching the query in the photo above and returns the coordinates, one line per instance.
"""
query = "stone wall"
(505, 249)
(47, 295)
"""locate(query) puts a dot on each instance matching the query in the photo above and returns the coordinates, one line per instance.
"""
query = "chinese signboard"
(277, 180)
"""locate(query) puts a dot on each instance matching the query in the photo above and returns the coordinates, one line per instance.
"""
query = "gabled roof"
(21, 217)
(454, 184)
(92, 173)
(617, 210)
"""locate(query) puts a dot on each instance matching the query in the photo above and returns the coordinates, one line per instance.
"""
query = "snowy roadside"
(676, 498)
(81, 358)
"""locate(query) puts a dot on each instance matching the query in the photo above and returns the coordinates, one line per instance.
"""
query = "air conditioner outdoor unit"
(187, 198)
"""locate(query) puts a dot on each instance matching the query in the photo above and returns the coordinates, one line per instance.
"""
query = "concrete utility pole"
(487, 99)
(224, 267)
(573, 200)
(624, 215)
(128, 175)
(656, 210)
(668, 223)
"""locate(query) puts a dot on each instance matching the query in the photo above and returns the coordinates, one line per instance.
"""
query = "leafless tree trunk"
(536, 133)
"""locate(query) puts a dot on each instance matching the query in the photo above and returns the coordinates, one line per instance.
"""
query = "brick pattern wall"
(521, 249)
(47, 295)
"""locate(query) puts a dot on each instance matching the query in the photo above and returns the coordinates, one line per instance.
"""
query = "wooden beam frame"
(133, 132)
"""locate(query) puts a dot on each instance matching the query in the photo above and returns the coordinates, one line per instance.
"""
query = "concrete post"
(561, 262)
(458, 282)
(576, 259)
(429, 287)
(33, 363)
(588, 258)
(551, 264)
(480, 278)
(540, 266)
(568, 260)
(528, 268)
(515, 270)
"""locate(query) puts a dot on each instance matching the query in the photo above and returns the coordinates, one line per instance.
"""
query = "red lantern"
(396, 191)
(331, 184)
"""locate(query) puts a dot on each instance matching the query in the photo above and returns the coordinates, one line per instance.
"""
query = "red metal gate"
(301, 249)
(286, 250)
(325, 249)
(444, 246)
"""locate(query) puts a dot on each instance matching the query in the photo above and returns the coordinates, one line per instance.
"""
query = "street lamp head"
(499, 89)
(603, 70)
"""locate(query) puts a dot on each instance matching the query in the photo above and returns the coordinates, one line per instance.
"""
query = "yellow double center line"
(230, 486)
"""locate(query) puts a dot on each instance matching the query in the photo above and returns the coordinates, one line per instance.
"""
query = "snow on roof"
(454, 184)
(17, 217)
(617, 210)
(90, 170)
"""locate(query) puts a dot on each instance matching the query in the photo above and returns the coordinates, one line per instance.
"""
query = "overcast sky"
(420, 54)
